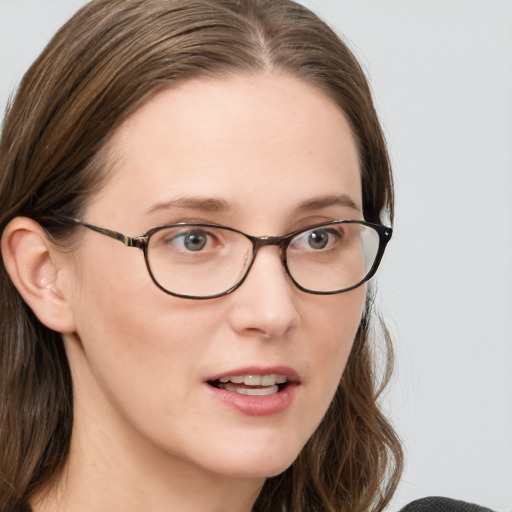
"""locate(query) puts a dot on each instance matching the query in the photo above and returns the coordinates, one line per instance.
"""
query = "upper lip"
(290, 374)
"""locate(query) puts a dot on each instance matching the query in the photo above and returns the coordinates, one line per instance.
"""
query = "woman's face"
(266, 154)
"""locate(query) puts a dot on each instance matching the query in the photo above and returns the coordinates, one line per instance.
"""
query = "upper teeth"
(255, 380)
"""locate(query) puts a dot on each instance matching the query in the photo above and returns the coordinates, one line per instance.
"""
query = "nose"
(265, 305)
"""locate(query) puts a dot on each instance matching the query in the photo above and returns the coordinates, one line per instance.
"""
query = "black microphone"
(436, 504)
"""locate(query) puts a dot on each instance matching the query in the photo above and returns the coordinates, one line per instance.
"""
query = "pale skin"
(275, 154)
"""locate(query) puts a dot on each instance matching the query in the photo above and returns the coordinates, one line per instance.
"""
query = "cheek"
(334, 324)
(135, 350)
(339, 316)
(130, 331)
(121, 333)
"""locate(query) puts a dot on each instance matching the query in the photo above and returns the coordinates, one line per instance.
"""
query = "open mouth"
(252, 385)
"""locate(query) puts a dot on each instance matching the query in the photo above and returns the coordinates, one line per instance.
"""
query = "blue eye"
(316, 239)
(193, 241)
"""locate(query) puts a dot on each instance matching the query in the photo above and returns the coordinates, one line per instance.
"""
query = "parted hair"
(100, 67)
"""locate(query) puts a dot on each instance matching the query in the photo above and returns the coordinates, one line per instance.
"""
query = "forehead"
(266, 139)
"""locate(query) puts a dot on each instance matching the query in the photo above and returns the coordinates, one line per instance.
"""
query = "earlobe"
(34, 264)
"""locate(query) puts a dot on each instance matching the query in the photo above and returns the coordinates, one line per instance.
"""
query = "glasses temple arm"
(139, 241)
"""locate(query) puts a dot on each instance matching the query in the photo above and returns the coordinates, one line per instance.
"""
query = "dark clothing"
(443, 505)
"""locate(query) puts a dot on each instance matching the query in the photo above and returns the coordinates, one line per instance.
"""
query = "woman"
(233, 147)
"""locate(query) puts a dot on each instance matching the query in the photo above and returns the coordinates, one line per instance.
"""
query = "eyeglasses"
(205, 261)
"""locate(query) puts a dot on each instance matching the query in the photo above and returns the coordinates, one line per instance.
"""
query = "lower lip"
(257, 405)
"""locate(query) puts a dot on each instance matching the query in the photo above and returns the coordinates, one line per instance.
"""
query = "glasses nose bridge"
(264, 241)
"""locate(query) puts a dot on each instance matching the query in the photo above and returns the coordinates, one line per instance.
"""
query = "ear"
(37, 269)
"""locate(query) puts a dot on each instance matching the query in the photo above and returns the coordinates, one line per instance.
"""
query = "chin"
(257, 462)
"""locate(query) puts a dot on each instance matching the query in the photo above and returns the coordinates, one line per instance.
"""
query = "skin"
(148, 434)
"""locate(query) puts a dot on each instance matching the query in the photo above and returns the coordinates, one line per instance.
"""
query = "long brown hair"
(105, 63)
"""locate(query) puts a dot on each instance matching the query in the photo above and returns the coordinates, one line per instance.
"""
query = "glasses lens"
(198, 260)
(333, 257)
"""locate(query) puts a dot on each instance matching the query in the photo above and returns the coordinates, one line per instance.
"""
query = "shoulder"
(438, 504)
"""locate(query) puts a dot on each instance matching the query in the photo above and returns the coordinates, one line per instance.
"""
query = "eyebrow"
(208, 204)
(211, 204)
(318, 203)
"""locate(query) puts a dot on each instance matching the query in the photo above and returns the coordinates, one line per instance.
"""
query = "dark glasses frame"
(141, 242)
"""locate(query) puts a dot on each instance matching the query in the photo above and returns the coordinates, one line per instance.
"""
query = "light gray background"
(441, 71)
